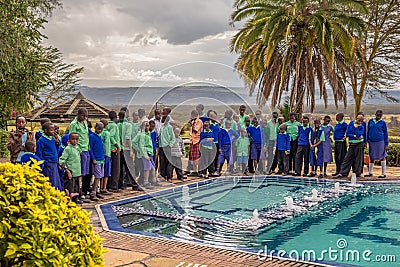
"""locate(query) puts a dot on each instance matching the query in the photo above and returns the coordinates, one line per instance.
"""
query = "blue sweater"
(283, 142)
(377, 131)
(204, 135)
(223, 138)
(215, 129)
(153, 136)
(304, 135)
(47, 149)
(358, 132)
(256, 134)
(339, 132)
(233, 135)
(96, 147)
(26, 158)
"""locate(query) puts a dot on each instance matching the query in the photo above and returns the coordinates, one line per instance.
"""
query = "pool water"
(359, 227)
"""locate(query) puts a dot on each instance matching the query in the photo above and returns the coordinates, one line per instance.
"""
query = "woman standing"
(327, 144)
(378, 142)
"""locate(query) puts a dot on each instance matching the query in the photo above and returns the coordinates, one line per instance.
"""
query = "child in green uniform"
(106, 138)
(243, 147)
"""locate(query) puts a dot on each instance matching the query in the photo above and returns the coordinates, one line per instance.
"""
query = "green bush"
(394, 139)
(4, 153)
(393, 155)
(39, 226)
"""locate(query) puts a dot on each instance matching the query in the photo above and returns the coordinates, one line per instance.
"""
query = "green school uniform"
(167, 136)
(142, 144)
(106, 138)
(114, 135)
(83, 131)
(270, 131)
(243, 144)
(71, 157)
(125, 131)
(292, 129)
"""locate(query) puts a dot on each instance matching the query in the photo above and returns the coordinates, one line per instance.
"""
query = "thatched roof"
(67, 111)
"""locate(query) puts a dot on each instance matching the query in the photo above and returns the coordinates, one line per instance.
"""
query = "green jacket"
(83, 131)
(292, 129)
(115, 139)
(167, 136)
(71, 157)
(270, 133)
(125, 132)
(106, 138)
(243, 145)
(143, 145)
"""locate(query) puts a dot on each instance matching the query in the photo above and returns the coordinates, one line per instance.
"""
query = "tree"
(62, 81)
(24, 67)
(378, 54)
(288, 45)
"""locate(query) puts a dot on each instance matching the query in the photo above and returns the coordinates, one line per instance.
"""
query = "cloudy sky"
(151, 42)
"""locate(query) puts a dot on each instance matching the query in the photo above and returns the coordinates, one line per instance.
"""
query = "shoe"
(99, 196)
(105, 192)
(382, 176)
(305, 174)
(334, 174)
(137, 188)
(338, 176)
(285, 174)
(278, 173)
(369, 175)
(321, 176)
(148, 186)
(115, 190)
(325, 175)
(257, 173)
(205, 176)
(312, 174)
(296, 174)
(215, 174)
(93, 197)
(193, 174)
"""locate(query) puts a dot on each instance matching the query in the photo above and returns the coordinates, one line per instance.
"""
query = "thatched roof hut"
(67, 111)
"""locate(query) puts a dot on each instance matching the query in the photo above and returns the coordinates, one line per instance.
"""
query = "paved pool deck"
(135, 250)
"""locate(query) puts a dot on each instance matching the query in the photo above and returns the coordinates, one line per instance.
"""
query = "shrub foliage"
(39, 226)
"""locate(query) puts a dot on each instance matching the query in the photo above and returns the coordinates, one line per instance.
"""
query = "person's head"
(243, 132)
(264, 122)
(360, 113)
(43, 121)
(242, 110)
(228, 124)
(360, 119)
(235, 117)
(292, 117)
(105, 122)
(166, 111)
(30, 147)
(317, 123)
(206, 125)
(194, 114)
(82, 114)
(274, 115)
(152, 125)
(141, 113)
(177, 132)
(56, 128)
(73, 138)
(165, 119)
(121, 115)
(48, 129)
(157, 114)
(200, 109)
(98, 128)
(113, 115)
(282, 128)
(378, 114)
(247, 121)
(125, 109)
(20, 122)
(339, 117)
(135, 116)
(145, 126)
(305, 121)
(255, 122)
(327, 120)
(258, 114)
(228, 113)
(281, 120)
(212, 114)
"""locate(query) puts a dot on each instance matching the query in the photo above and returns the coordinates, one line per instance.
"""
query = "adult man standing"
(292, 129)
(270, 138)
(115, 151)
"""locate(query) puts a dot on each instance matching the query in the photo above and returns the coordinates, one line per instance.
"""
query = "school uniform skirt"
(376, 150)
(194, 153)
(317, 158)
(255, 151)
(51, 170)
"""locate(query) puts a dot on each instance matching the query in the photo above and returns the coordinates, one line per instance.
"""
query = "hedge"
(4, 153)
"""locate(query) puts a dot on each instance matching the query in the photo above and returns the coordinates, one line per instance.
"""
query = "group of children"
(138, 152)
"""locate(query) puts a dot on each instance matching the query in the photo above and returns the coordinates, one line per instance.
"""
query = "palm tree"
(289, 45)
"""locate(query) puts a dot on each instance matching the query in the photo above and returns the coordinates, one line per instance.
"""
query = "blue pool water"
(358, 227)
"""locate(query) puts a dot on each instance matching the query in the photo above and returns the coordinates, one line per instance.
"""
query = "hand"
(131, 154)
(265, 148)
(94, 162)
(55, 137)
(220, 150)
(287, 152)
(147, 157)
(69, 174)
(386, 148)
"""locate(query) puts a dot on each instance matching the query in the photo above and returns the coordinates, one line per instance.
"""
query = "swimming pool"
(357, 226)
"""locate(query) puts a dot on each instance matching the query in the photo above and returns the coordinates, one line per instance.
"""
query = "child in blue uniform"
(317, 149)
(207, 150)
(303, 148)
(282, 150)
(97, 157)
(256, 136)
(30, 149)
(47, 150)
(339, 136)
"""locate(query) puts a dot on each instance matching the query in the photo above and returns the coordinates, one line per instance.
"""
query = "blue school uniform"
(256, 136)
(283, 142)
(304, 134)
(47, 150)
(317, 159)
(204, 135)
(26, 158)
(96, 147)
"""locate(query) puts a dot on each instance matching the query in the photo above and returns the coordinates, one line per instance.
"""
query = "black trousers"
(270, 155)
(176, 164)
(302, 155)
(207, 160)
(86, 180)
(340, 152)
(139, 170)
(126, 170)
(354, 159)
(292, 155)
(283, 161)
(165, 164)
(274, 162)
(115, 171)
(215, 163)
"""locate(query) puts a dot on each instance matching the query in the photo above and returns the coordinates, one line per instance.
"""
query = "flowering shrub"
(39, 226)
